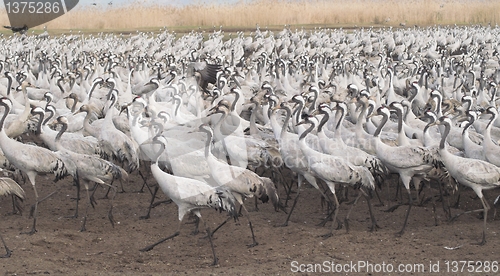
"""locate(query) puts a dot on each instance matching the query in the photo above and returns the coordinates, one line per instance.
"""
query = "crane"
(29, 159)
(189, 195)
(476, 174)
(9, 187)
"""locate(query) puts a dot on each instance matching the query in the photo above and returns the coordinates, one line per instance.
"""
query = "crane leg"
(83, 228)
(293, 207)
(251, 227)
(147, 216)
(375, 225)
(410, 203)
(93, 201)
(398, 188)
(77, 184)
(485, 217)
(466, 212)
(457, 197)
(346, 219)
(196, 223)
(16, 207)
(334, 208)
(35, 206)
(110, 212)
(9, 252)
(446, 209)
(335, 213)
(289, 190)
(209, 234)
(381, 203)
(177, 232)
(220, 225)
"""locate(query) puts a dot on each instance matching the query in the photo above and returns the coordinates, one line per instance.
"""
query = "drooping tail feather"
(227, 202)
(368, 180)
(271, 192)
(10, 187)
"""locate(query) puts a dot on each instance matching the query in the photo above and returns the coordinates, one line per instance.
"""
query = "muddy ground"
(59, 248)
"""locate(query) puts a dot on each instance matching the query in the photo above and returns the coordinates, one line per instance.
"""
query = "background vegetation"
(276, 13)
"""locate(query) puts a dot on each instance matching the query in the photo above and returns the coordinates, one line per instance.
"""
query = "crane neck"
(446, 131)
(87, 126)
(298, 111)
(94, 85)
(5, 113)
(309, 129)
(324, 120)
(285, 122)
(9, 84)
(399, 114)
(382, 123)
(46, 118)
(64, 127)
(40, 123)
(341, 115)
(236, 99)
(253, 126)
(315, 100)
(494, 117)
(178, 103)
(73, 106)
(466, 128)
(208, 142)
(156, 157)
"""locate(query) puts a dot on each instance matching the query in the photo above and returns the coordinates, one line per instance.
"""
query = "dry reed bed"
(280, 12)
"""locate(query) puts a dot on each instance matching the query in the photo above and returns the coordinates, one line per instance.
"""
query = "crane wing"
(10, 187)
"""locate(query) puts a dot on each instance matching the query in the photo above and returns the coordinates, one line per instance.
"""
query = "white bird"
(477, 174)
(490, 149)
(336, 146)
(152, 85)
(89, 168)
(76, 142)
(471, 149)
(9, 187)
(241, 182)
(117, 144)
(19, 125)
(190, 195)
(335, 170)
(290, 151)
(407, 161)
(30, 159)
(240, 149)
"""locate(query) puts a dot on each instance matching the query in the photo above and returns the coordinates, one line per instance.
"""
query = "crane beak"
(52, 124)
(301, 122)
(371, 115)
(461, 118)
(275, 108)
(433, 124)
(125, 107)
(212, 111)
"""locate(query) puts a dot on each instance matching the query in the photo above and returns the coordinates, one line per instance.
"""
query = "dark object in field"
(21, 30)
(204, 73)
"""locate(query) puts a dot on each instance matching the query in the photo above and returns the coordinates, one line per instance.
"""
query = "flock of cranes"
(218, 118)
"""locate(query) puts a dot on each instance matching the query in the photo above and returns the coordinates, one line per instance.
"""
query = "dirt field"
(58, 248)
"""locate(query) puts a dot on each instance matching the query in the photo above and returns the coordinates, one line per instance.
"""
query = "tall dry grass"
(141, 15)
